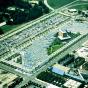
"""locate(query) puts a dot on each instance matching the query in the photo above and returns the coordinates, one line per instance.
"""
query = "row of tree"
(82, 13)
(1, 31)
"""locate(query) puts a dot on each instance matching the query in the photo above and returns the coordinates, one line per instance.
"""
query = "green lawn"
(78, 2)
(57, 43)
(58, 3)
(79, 5)
(54, 48)
(7, 28)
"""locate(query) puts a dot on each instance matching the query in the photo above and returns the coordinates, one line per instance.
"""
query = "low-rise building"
(84, 71)
(52, 86)
(83, 52)
(63, 35)
(72, 84)
(2, 24)
(72, 10)
(6, 79)
(59, 69)
(85, 66)
(85, 44)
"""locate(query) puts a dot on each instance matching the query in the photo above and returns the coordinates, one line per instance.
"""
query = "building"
(72, 84)
(59, 69)
(52, 86)
(85, 44)
(6, 79)
(84, 70)
(11, 8)
(83, 52)
(63, 34)
(84, 66)
(72, 10)
(2, 24)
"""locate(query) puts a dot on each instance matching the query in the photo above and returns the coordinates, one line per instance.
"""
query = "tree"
(18, 17)
(41, 3)
(1, 18)
(44, 7)
(22, 4)
(1, 31)
(35, 12)
(46, 10)
(83, 13)
(79, 11)
(86, 15)
(87, 7)
(6, 3)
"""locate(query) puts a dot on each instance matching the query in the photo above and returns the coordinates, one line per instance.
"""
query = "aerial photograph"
(43, 43)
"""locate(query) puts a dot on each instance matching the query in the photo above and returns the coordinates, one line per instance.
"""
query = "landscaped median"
(57, 43)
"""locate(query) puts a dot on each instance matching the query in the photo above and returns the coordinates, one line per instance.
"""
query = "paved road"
(46, 3)
(12, 70)
(76, 27)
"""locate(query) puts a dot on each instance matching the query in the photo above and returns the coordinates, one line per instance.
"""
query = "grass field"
(79, 5)
(78, 2)
(58, 3)
(7, 28)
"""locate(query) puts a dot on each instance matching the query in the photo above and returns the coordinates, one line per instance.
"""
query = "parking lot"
(75, 26)
(36, 53)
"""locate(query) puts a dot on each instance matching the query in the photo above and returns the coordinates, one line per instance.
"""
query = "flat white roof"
(83, 52)
(36, 2)
(11, 8)
(52, 86)
(64, 38)
(7, 78)
(72, 84)
(85, 44)
(72, 10)
(66, 69)
(63, 30)
(2, 24)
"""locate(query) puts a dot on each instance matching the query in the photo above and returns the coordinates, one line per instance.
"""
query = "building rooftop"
(72, 10)
(63, 30)
(85, 44)
(52, 86)
(83, 52)
(6, 77)
(85, 66)
(2, 24)
(63, 68)
(11, 8)
(63, 34)
(72, 84)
